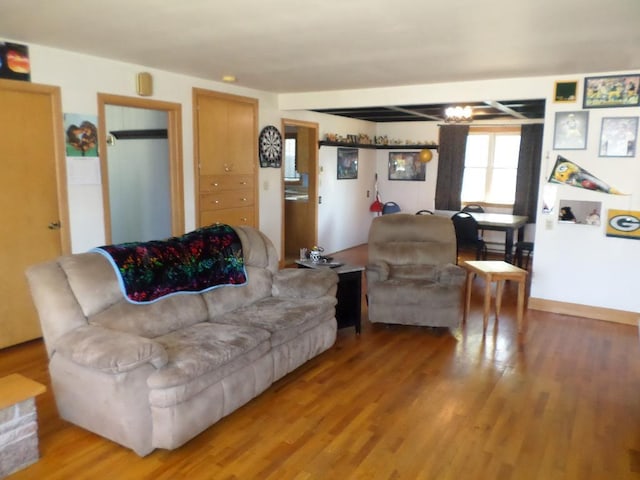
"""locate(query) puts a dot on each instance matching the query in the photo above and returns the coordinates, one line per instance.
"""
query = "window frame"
(492, 131)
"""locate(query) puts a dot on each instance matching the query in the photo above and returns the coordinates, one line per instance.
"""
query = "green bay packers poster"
(623, 224)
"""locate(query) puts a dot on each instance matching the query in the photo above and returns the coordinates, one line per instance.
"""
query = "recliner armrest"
(109, 351)
(377, 272)
(450, 274)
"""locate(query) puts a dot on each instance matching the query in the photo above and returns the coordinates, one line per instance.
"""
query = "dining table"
(502, 222)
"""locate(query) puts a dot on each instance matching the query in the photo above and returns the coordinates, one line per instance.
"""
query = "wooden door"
(33, 223)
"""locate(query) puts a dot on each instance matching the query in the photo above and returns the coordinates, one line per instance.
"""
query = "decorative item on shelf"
(270, 147)
(458, 114)
(364, 139)
(425, 155)
(315, 255)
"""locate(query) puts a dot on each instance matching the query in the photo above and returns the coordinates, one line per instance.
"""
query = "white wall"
(82, 77)
(578, 263)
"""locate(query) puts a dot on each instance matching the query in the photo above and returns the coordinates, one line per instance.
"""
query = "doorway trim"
(174, 140)
(313, 186)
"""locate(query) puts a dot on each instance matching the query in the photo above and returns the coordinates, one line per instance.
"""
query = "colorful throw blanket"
(198, 261)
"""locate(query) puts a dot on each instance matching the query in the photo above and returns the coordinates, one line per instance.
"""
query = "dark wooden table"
(349, 294)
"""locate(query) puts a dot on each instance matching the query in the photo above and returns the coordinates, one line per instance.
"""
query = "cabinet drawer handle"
(243, 199)
(215, 184)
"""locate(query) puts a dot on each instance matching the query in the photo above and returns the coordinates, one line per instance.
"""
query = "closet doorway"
(141, 166)
(299, 187)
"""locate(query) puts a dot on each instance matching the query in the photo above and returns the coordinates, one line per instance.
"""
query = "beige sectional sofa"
(156, 375)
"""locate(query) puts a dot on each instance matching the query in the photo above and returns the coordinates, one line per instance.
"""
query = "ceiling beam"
(505, 109)
(413, 112)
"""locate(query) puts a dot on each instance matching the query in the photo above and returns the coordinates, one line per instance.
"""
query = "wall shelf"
(376, 146)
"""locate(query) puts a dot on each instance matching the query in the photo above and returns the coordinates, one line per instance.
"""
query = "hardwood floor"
(560, 402)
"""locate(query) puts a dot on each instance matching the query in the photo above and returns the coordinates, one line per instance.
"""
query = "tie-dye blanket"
(198, 261)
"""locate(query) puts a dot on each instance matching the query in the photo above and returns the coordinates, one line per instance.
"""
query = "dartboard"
(270, 146)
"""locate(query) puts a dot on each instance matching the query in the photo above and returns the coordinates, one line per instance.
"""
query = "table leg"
(487, 302)
(499, 290)
(467, 301)
(508, 245)
(521, 293)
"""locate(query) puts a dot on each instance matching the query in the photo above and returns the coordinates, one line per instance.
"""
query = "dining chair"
(468, 235)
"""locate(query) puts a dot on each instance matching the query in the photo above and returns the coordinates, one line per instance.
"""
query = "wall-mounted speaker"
(144, 84)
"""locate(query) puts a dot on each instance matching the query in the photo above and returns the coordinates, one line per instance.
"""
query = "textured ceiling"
(316, 45)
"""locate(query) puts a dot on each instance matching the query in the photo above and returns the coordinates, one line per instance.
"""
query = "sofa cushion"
(285, 318)
(153, 319)
(303, 282)
(226, 299)
(93, 281)
(108, 351)
(205, 347)
(414, 271)
(414, 292)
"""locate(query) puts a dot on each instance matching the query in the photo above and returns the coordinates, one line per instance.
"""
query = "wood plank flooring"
(561, 401)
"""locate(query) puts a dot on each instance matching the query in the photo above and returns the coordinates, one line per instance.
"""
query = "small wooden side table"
(498, 271)
(18, 423)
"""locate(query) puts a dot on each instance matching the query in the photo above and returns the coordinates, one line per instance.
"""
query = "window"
(491, 166)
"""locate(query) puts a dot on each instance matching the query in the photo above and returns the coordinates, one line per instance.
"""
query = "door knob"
(54, 226)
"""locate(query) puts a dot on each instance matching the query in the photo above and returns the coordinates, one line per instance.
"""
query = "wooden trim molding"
(174, 135)
(586, 311)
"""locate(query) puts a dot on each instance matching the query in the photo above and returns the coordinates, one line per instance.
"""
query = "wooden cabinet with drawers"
(226, 147)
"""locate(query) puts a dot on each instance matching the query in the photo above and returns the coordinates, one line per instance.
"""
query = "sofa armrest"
(109, 351)
(377, 272)
(304, 283)
(451, 274)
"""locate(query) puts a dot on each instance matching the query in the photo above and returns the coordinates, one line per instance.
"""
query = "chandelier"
(458, 114)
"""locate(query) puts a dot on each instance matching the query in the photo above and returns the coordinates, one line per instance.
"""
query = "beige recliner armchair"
(412, 276)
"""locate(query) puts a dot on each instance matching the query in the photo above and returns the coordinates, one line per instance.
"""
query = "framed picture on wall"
(565, 91)
(618, 137)
(571, 130)
(406, 166)
(611, 91)
(347, 163)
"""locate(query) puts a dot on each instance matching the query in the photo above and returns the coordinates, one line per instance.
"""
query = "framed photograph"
(347, 163)
(611, 91)
(580, 212)
(566, 91)
(14, 61)
(406, 166)
(571, 130)
(618, 137)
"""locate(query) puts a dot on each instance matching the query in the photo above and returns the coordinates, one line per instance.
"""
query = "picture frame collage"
(618, 134)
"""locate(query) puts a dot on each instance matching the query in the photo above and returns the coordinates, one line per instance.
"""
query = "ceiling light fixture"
(458, 114)
(229, 78)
